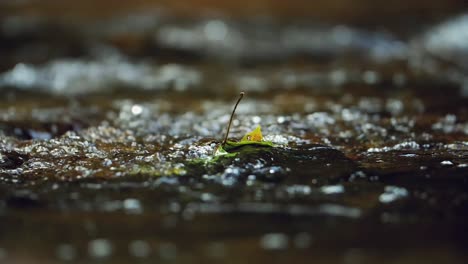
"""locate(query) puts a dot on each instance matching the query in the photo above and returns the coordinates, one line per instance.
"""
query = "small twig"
(232, 116)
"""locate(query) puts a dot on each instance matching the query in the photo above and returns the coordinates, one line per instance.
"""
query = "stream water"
(108, 128)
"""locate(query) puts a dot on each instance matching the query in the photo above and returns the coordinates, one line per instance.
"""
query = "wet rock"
(110, 138)
(24, 199)
(278, 164)
(37, 130)
(80, 77)
(11, 160)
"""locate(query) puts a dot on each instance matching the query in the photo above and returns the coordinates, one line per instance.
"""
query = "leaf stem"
(232, 116)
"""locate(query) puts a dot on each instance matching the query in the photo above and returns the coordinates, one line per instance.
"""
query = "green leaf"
(231, 148)
(254, 138)
(220, 151)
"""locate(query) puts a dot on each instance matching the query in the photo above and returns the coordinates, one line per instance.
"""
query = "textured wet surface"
(106, 127)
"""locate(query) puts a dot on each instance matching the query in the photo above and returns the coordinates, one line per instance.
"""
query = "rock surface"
(105, 132)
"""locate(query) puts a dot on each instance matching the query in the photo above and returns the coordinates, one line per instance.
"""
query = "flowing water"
(108, 127)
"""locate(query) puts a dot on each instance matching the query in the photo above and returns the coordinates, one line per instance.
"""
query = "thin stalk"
(232, 116)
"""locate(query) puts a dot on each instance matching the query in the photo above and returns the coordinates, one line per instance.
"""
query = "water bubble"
(256, 119)
(446, 163)
(446, 124)
(297, 189)
(74, 76)
(274, 241)
(320, 119)
(370, 77)
(132, 206)
(139, 249)
(107, 162)
(273, 172)
(342, 35)
(407, 145)
(394, 106)
(332, 189)
(215, 30)
(21, 75)
(100, 248)
(137, 109)
(339, 210)
(206, 197)
(277, 139)
(66, 252)
(174, 207)
(392, 193)
(338, 77)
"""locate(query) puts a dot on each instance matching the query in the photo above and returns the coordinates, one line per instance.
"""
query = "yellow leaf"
(255, 135)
